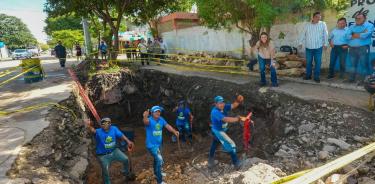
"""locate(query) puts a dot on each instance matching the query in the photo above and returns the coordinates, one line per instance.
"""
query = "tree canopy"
(64, 22)
(15, 33)
(111, 12)
(68, 38)
(252, 15)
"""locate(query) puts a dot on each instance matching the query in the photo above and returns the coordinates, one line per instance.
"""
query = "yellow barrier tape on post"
(194, 57)
(333, 166)
(38, 106)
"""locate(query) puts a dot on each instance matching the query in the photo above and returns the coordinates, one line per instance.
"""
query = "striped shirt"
(314, 36)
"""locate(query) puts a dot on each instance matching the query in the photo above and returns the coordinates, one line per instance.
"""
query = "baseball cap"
(219, 99)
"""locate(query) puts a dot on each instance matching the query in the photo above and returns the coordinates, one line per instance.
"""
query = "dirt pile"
(58, 154)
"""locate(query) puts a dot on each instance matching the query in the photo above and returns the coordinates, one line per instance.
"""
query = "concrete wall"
(200, 38)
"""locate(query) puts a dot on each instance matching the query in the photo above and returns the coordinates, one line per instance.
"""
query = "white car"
(21, 54)
(34, 51)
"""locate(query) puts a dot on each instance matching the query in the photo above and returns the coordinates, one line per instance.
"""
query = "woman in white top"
(266, 56)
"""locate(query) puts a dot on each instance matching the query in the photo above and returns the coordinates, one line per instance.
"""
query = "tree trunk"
(116, 42)
(153, 24)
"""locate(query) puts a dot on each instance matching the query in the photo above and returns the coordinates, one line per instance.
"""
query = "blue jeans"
(359, 55)
(340, 53)
(185, 131)
(158, 163)
(227, 143)
(106, 160)
(316, 55)
(262, 69)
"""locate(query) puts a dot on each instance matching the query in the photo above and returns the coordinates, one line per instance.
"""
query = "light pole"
(86, 33)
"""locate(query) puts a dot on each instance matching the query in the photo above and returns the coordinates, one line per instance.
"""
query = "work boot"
(130, 177)
(211, 163)
(238, 166)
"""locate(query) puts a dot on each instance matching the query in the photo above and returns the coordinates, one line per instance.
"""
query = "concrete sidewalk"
(18, 129)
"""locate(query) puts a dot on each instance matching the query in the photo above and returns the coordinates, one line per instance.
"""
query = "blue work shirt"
(106, 141)
(365, 30)
(217, 117)
(338, 36)
(154, 132)
(183, 115)
(103, 47)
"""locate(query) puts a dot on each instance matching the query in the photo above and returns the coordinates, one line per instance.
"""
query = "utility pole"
(86, 33)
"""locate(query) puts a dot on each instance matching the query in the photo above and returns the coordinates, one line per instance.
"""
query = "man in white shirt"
(163, 47)
(143, 50)
(315, 39)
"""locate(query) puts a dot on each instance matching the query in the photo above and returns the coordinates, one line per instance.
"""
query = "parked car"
(21, 54)
(34, 51)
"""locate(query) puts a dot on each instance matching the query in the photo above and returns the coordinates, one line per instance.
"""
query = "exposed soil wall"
(291, 133)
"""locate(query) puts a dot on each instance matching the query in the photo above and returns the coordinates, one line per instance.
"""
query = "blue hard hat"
(219, 99)
(156, 108)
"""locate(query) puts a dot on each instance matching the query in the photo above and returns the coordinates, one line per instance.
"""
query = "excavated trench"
(290, 133)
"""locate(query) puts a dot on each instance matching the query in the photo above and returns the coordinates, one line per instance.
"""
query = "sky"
(30, 12)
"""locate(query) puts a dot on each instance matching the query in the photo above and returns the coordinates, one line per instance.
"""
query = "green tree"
(68, 38)
(44, 47)
(15, 33)
(251, 16)
(111, 12)
(64, 22)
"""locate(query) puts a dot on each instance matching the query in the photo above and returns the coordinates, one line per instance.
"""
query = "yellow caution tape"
(333, 166)
(15, 77)
(291, 177)
(5, 74)
(38, 106)
(9, 70)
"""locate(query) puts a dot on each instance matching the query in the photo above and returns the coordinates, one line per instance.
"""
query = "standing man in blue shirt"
(154, 134)
(315, 39)
(339, 44)
(184, 121)
(103, 50)
(359, 35)
(219, 127)
(106, 149)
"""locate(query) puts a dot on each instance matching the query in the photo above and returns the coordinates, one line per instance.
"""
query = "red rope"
(84, 96)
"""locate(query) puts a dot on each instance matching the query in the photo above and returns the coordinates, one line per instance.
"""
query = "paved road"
(17, 129)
